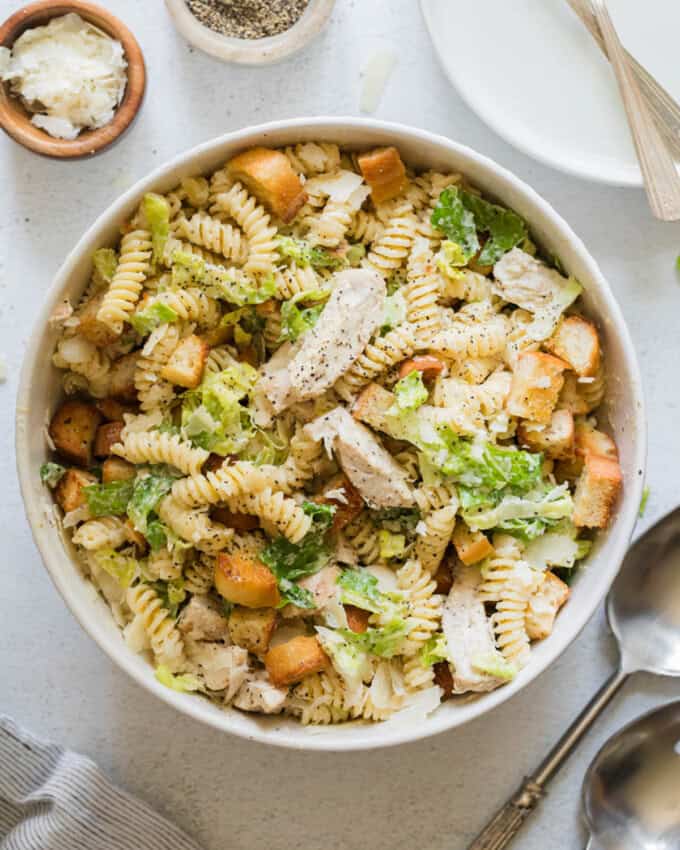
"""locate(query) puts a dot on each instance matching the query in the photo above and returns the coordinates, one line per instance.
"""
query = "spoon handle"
(506, 823)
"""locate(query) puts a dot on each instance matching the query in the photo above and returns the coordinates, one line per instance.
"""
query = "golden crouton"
(107, 435)
(73, 429)
(590, 441)
(587, 440)
(544, 605)
(291, 661)
(555, 440)
(117, 469)
(536, 384)
(246, 581)
(597, 490)
(571, 397)
(372, 405)
(384, 172)
(576, 342)
(90, 327)
(270, 177)
(252, 628)
(471, 546)
(69, 491)
(185, 365)
(123, 377)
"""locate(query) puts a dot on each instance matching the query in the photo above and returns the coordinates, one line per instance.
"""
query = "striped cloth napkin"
(53, 799)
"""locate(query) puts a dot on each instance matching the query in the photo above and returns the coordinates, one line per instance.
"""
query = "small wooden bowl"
(15, 120)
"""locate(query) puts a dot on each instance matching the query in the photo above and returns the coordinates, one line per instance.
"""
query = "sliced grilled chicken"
(468, 632)
(354, 310)
(380, 480)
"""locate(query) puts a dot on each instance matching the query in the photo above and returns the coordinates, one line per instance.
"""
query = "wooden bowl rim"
(15, 122)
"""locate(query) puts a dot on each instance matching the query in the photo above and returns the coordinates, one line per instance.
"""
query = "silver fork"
(663, 106)
(662, 182)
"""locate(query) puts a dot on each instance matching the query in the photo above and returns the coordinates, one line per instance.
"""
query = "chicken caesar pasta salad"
(328, 444)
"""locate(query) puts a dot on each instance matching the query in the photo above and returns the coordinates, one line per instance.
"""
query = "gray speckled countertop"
(229, 793)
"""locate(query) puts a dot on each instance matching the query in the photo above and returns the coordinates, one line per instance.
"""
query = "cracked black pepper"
(251, 19)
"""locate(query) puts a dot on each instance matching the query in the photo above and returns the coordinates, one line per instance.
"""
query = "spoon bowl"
(643, 606)
(631, 792)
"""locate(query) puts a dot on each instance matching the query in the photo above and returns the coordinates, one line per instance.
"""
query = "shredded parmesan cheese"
(69, 73)
(376, 74)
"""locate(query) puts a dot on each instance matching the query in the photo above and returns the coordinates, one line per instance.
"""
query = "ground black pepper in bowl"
(250, 19)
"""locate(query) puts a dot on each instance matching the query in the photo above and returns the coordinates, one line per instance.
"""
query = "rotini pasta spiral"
(194, 525)
(107, 531)
(467, 340)
(390, 251)
(191, 305)
(295, 279)
(362, 536)
(254, 222)
(313, 157)
(366, 227)
(437, 530)
(134, 265)
(217, 237)
(164, 637)
(422, 292)
(379, 355)
(153, 391)
(229, 483)
(157, 447)
(424, 605)
(82, 357)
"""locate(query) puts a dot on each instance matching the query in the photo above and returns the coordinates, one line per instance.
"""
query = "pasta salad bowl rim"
(39, 391)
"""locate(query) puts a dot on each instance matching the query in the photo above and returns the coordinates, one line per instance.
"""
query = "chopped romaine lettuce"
(452, 217)
(545, 505)
(558, 547)
(212, 414)
(391, 545)
(52, 473)
(350, 660)
(157, 212)
(303, 254)
(157, 313)
(360, 588)
(451, 258)
(121, 567)
(296, 320)
(394, 312)
(172, 594)
(385, 642)
(461, 215)
(104, 261)
(226, 284)
(410, 392)
(108, 499)
(156, 534)
(182, 683)
(355, 254)
(147, 492)
(494, 665)
(436, 649)
(292, 561)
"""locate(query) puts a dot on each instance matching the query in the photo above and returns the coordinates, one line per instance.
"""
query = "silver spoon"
(631, 793)
(643, 609)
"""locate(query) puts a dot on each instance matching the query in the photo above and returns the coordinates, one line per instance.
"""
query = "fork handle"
(500, 831)
(662, 182)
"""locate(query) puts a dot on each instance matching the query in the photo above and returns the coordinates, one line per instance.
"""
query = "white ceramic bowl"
(39, 393)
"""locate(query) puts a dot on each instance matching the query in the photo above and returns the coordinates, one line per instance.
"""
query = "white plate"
(532, 71)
